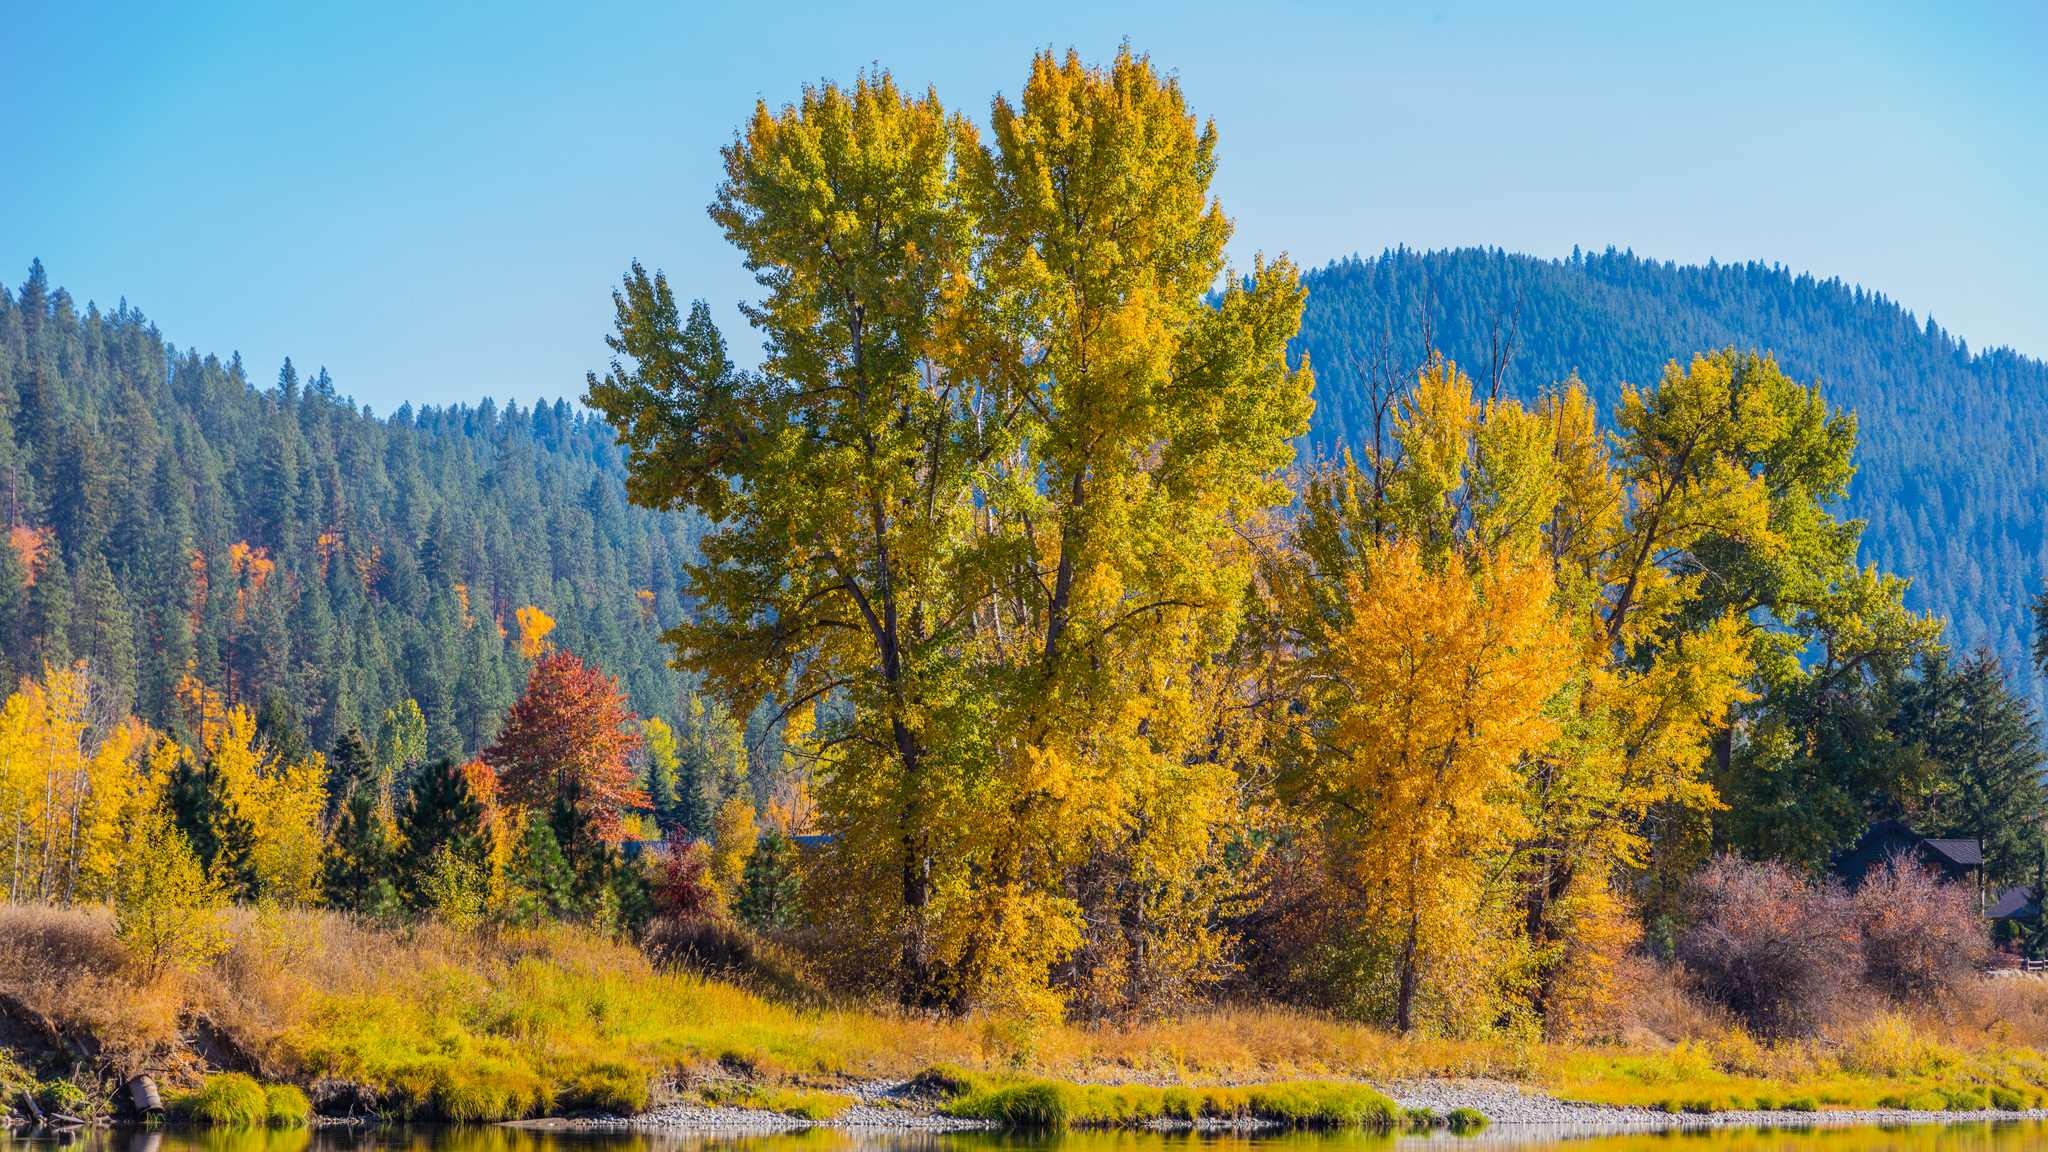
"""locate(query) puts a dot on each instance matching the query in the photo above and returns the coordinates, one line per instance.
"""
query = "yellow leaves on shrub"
(1888, 1046)
(168, 912)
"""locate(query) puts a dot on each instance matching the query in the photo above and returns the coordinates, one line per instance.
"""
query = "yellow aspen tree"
(1433, 694)
(167, 910)
(63, 786)
(280, 802)
(733, 835)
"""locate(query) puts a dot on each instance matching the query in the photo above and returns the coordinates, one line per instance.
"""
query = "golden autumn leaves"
(1437, 689)
(1006, 511)
(977, 507)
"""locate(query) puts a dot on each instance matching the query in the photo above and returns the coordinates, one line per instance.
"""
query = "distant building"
(2015, 903)
(1959, 861)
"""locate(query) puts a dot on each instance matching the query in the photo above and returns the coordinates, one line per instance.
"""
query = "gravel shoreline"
(1514, 1113)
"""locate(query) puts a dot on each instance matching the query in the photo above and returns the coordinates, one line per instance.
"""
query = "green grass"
(1466, 1120)
(549, 1032)
(1030, 1102)
(230, 1098)
(286, 1106)
(1910, 1074)
(805, 1105)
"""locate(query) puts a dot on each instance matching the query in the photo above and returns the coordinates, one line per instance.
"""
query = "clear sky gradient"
(434, 201)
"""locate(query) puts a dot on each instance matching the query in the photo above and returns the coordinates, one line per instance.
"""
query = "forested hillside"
(1951, 473)
(169, 516)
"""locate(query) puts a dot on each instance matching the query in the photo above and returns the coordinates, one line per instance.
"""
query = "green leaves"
(983, 497)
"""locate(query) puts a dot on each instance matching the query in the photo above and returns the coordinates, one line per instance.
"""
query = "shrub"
(1321, 1102)
(62, 1096)
(1033, 1103)
(1922, 936)
(1775, 950)
(286, 1106)
(230, 1098)
(1467, 1119)
(610, 1087)
(684, 890)
(1887, 1046)
(1964, 1099)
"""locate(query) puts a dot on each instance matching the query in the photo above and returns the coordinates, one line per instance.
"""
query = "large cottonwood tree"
(985, 494)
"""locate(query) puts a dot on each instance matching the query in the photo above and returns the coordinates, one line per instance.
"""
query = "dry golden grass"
(530, 1015)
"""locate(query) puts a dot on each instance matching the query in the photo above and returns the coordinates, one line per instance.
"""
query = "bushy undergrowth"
(1784, 954)
(484, 1026)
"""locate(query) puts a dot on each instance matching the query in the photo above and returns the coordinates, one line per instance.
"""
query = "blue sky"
(434, 201)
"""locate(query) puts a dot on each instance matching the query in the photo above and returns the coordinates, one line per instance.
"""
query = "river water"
(2014, 1136)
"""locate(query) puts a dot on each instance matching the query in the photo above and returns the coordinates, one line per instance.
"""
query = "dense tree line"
(1949, 473)
(281, 544)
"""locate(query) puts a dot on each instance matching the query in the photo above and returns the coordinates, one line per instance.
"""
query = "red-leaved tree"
(570, 727)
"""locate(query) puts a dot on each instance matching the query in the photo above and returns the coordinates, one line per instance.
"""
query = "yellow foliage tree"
(987, 490)
(1432, 695)
(67, 783)
(733, 835)
(277, 803)
(168, 911)
(534, 626)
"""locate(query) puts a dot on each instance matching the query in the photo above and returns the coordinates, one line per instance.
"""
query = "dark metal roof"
(1965, 853)
(1888, 836)
(2013, 904)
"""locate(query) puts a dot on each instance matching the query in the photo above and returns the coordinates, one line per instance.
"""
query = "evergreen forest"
(1950, 473)
(170, 513)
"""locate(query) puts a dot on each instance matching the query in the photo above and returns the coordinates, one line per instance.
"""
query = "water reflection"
(2015, 1136)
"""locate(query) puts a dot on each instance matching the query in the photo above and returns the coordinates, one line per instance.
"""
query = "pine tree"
(1985, 744)
(79, 497)
(14, 599)
(589, 857)
(541, 871)
(351, 769)
(278, 729)
(356, 874)
(440, 813)
(768, 886)
(277, 494)
(103, 630)
(49, 614)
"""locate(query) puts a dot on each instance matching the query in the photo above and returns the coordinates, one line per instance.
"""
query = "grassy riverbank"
(431, 1022)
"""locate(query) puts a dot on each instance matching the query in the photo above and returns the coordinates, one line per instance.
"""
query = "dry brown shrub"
(64, 965)
(1922, 936)
(1776, 951)
(1655, 1003)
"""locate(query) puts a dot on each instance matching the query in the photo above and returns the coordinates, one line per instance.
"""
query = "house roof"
(1964, 853)
(1887, 836)
(2014, 903)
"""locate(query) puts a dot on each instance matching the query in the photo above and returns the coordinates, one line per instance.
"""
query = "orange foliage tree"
(570, 728)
